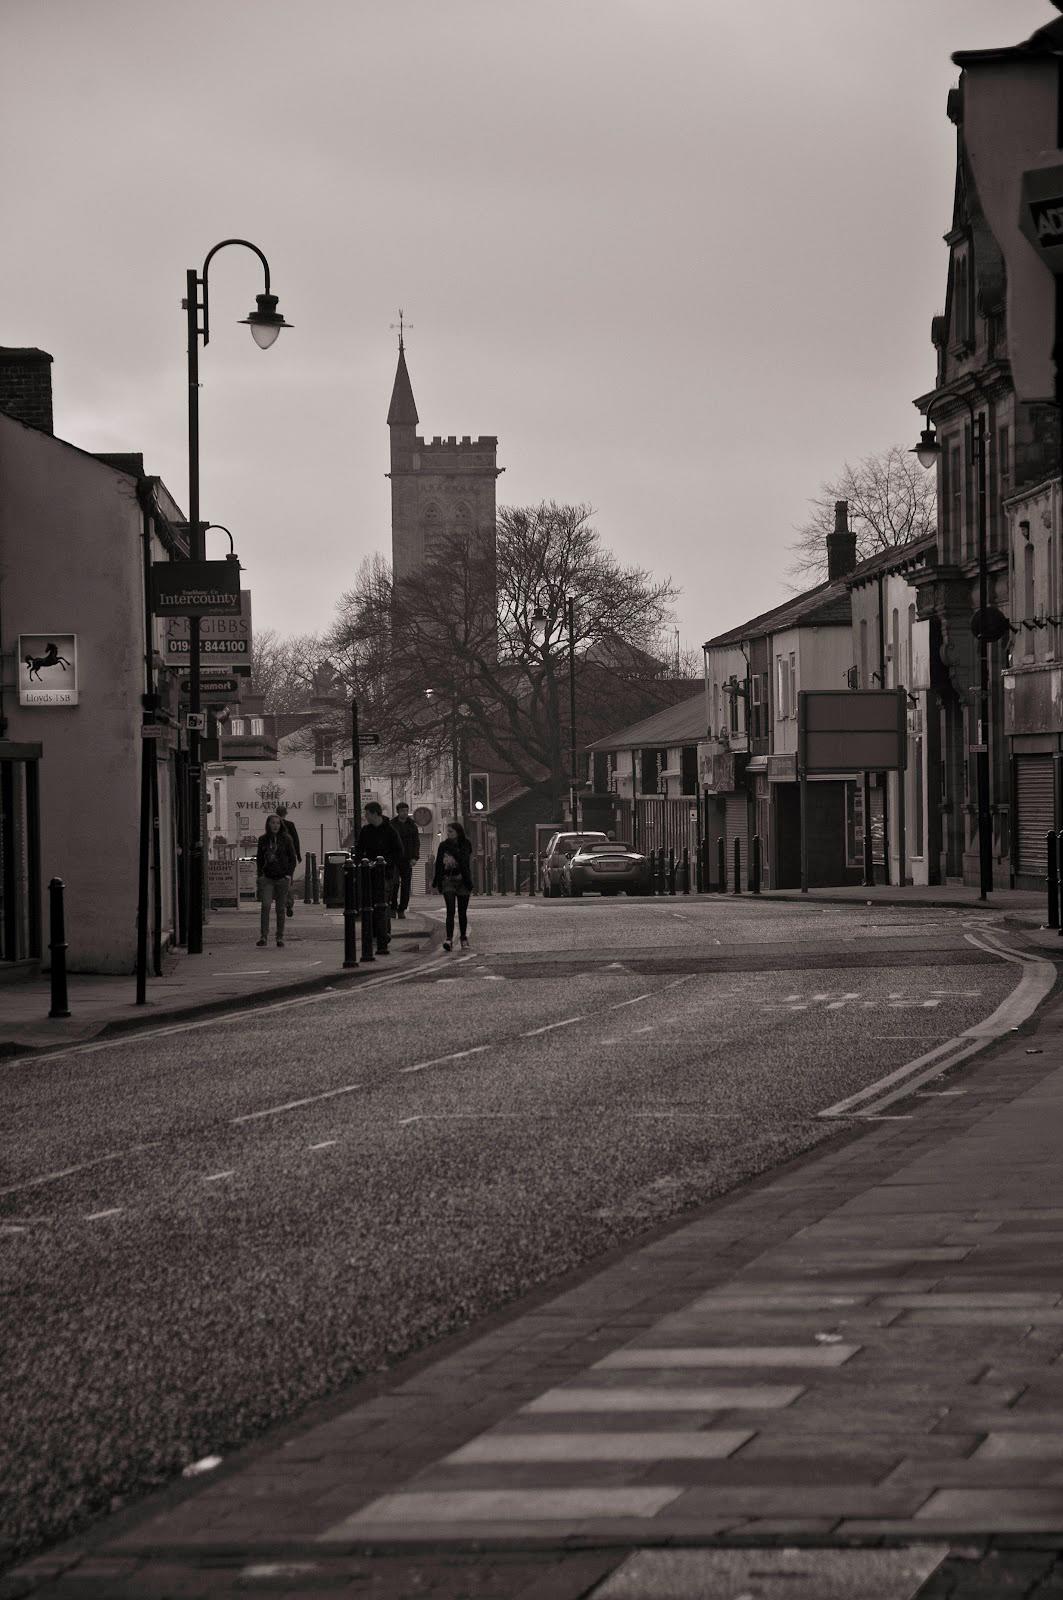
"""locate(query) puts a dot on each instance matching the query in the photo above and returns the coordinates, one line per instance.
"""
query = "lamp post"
(265, 323)
(540, 627)
(988, 624)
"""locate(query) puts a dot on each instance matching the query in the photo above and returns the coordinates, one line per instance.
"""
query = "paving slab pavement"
(862, 1351)
(231, 972)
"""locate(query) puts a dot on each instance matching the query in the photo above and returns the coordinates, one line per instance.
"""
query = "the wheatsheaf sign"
(47, 669)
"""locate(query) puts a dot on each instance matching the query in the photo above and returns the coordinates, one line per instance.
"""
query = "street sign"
(224, 642)
(851, 730)
(196, 722)
(150, 730)
(195, 588)
(214, 691)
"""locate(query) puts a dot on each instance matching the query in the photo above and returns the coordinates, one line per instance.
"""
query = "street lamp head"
(538, 624)
(266, 322)
(927, 451)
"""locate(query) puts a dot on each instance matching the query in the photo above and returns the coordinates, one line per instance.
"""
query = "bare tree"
(283, 669)
(484, 627)
(892, 501)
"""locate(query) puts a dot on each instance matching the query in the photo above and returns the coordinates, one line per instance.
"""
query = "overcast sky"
(681, 256)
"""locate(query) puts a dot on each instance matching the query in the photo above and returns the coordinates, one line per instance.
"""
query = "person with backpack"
(410, 835)
(379, 838)
(453, 880)
(293, 834)
(276, 868)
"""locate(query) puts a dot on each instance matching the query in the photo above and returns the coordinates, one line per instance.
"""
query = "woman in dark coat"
(453, 879)
(276, 869)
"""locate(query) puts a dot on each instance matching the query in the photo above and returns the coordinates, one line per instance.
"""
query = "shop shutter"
(1034, 813)
(737, 827)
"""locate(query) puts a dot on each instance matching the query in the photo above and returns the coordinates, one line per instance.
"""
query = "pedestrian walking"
(453, 879)
(293, 834)
(378, 838)
(276, 868)
(410, 835)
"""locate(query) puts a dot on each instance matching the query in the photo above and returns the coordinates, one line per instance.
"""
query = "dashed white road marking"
(293, 1105)
(632, 1002)
(216, 1177)
(1037, 981)
(323, 1145)
(438, 1061)
(82, 1166)
(566, 1022)
(94, 1216)
(647, 1029)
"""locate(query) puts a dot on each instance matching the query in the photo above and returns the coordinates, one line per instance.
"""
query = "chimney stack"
(26, 386)
(841, 544)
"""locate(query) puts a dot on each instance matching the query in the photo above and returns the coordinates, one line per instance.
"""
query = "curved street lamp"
(265, 323)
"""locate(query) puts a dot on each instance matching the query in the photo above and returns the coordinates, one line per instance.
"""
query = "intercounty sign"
(195, 588)
(47, 669)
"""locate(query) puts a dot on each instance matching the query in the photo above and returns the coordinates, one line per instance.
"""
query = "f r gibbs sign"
(47, 669)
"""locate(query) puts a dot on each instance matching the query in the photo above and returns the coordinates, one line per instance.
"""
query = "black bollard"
(1057, 857)
(308, 874)
(516, 874)
(1052, 880)
(489, 874)
(381, 921)
(365, 904)
(721, 866)
(671, 872)
(754, 865)
(350, 917)
(699, 866)
(501, 874)
(737, 888)
(57, 946)
(686, 869)
(315, 881)
(531, 875)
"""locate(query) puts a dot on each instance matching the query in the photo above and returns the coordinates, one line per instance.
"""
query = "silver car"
(609, 868)
(560, 848)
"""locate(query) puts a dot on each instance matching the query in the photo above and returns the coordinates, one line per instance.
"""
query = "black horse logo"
(50, 658)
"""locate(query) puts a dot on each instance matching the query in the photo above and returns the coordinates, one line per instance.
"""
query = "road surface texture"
(205, 1228)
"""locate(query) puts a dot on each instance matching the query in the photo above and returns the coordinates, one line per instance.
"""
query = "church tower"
(446, 486)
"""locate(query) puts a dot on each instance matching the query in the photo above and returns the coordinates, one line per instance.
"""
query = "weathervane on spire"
(401, 327)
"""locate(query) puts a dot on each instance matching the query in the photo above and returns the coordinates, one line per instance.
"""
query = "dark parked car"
(609, 868)
(560, 847)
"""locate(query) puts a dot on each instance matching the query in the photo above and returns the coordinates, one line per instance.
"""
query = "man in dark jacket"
(410, 836)
(378, 838)
(293, 834)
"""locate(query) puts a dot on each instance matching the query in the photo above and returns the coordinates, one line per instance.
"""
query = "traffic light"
(479, 792)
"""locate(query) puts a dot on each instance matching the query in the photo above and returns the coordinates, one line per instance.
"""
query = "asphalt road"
(205, 1228)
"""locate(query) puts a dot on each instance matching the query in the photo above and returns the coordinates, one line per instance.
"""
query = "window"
(237, 727)
(1004, 461)
(782, 692)
(733, 698)
(793, 684)
(323, 750)
(258, 727)
(717, 725)
(962, 320)
(863, 683)
(895, 650)
(953, 487)
(1028, 599)
(910, 660)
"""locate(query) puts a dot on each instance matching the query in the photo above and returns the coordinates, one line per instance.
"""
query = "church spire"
(402, 412)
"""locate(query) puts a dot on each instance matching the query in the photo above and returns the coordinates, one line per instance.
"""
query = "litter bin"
(332, 887)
